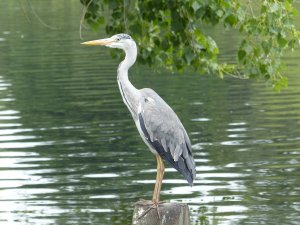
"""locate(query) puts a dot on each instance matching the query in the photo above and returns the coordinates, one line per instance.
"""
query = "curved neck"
(129, 93)
(130, 57)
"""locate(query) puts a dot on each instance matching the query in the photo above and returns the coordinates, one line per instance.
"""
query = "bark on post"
(169, 214)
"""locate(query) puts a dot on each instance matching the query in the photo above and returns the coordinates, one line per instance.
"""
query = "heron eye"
(118, 39)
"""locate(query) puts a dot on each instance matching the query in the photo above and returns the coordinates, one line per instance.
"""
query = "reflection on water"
(70, 153)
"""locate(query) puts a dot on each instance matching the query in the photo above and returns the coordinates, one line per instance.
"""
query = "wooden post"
(169, 214)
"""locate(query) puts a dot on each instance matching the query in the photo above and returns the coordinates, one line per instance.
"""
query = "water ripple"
(68, 145)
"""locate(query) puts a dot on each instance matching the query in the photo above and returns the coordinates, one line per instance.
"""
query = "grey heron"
(157, 123)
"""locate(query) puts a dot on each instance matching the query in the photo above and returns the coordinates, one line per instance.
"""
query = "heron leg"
(156, 193)
(159, 178)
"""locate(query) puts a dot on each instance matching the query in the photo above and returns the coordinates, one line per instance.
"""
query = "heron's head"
(122, 41)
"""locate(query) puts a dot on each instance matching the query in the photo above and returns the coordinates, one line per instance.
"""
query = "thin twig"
(84, 10)
(24, 11)
(124, 16)
(238, 75)
(38, 17)
(251, 10)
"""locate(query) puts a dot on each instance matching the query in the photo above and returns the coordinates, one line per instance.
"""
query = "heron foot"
(151, 205)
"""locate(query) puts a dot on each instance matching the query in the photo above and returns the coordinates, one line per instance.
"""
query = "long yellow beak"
(104, 42)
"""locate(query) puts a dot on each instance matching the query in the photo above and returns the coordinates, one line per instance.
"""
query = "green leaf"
(282, 41)
(175, 34)
(231, 20)
(274, 7)
(266, 45)
(241, 55)
(220, 13)
(196, 6)
(188, 55)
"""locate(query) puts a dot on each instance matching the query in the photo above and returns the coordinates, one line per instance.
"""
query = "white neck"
(129, 93)
(130, 56)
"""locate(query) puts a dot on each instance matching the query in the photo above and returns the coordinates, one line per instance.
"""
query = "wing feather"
(166, 134)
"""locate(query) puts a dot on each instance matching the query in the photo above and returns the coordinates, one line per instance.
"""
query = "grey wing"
(165, 134)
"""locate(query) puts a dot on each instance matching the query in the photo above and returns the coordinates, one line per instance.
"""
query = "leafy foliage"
(170, 33)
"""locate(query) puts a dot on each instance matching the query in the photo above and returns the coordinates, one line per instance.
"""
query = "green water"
(70, 153)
